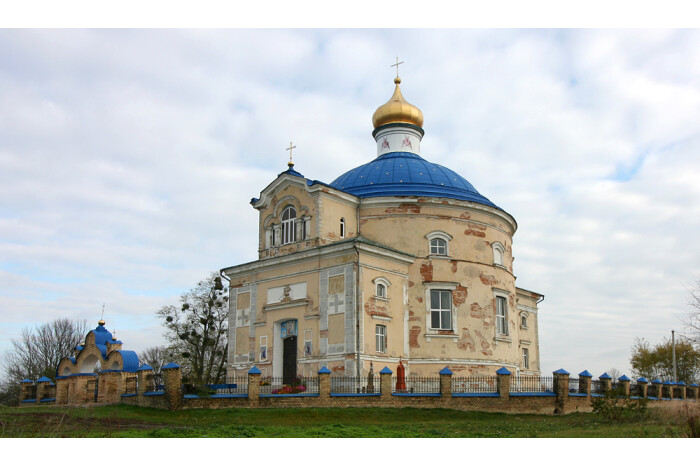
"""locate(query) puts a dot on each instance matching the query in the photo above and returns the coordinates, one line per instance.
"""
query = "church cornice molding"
(391, 201)
(318, 253)
(312, 187)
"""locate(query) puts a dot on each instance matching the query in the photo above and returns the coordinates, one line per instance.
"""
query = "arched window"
(381, 287)
(342, 227)
(288, 231)
(438, 246)
(498, 254)
(438, 243)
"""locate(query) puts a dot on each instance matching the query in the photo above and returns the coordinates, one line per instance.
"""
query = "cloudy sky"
(128, 158)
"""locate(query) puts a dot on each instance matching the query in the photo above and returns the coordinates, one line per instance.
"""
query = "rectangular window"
(263, 348)
(381, 338)
(307, 342)
(501, 316)
(441, 309)
(526, 358)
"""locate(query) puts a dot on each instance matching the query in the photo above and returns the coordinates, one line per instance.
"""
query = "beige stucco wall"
(401, 226)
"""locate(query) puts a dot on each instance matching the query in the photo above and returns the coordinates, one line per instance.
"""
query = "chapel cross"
(397, 66)
(290, 152)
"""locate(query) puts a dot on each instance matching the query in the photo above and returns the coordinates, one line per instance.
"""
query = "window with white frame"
(441, 309)
(498, 254)
(438, 243)
(288, 230)
(501, 316)
(342, 227)
(263, 348)
(381, 338)
(381, 287)
(381, 290)
(307, 343)
(526, 358)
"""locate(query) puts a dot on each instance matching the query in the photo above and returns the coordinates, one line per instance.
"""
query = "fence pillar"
(324, 383)
(42, 385)
(172, 383)
(667, 390)
(605, 382)
(624, 383)
(693, 389)
(445, 382)
(385, 383)
(657, 387)
(144, 374)
(61, 390)
(25, 389)
(503, 382)
(254, 386)
(643, 387)
(684, 393)
(561, 389)
(584, 382)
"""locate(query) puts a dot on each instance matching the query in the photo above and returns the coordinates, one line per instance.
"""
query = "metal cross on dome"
(397, 66)
(291, 146)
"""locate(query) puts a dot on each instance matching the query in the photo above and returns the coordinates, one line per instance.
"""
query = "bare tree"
(691, 321)
(156, 357)
(614, 373)
(38, 351)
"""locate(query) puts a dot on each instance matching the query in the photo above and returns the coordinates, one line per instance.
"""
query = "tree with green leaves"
(656, 361)
(197, 331)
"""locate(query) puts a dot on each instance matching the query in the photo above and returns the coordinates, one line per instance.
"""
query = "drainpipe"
(358, 298)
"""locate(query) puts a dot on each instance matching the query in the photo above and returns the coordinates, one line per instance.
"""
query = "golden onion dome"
(397, 110)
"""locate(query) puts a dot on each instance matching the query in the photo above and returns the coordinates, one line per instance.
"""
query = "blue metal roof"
(445, 371)
(623, 378)
(43, 379)
(130, 360)
(503, 371)
(407, 174)
(170, 365)
(102, 335)
(386, 371)
(323, 371)
(561, 371)
(585, 373)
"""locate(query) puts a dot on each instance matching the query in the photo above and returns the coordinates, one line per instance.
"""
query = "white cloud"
(127, 160)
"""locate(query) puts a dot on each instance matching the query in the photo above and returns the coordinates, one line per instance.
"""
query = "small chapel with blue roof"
(398, 260)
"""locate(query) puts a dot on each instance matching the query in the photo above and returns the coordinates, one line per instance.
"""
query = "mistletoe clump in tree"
(197, 331)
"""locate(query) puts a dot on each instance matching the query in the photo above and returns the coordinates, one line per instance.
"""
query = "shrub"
(614, 406)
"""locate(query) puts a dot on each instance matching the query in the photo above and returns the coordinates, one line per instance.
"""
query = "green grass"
(130, 421)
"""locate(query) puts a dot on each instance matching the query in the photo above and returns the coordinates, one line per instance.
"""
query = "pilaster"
(25, 389)
(144, 374)
(683, 392)
(667, 389)
(657, 387)
(605, 382)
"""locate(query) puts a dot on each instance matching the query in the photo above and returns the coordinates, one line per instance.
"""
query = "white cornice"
(323, 252)
(443, 203)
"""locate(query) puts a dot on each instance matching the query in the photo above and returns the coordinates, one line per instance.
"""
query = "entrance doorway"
(289, 362)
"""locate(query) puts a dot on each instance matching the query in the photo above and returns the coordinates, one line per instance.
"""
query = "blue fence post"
(584, 382)
(324, 383)
(385, 383)
(503, 382)
(445, 382)
(254, 375)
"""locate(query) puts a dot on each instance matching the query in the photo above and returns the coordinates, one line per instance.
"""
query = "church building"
(399, 259)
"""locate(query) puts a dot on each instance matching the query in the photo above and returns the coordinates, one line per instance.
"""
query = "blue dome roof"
(407, 174)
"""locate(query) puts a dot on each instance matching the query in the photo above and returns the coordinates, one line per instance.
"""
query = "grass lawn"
(130, 421)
